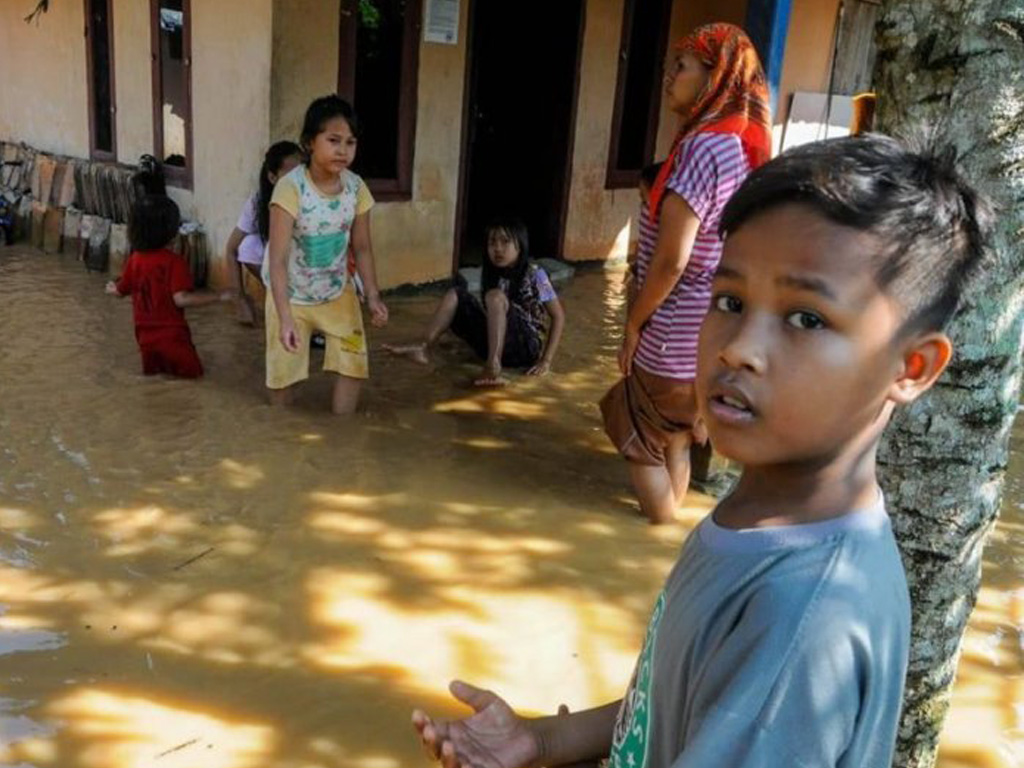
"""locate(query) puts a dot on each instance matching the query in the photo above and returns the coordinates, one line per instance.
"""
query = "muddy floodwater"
(190, 579)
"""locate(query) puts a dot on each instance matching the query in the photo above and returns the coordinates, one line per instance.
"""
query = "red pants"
(170, 351)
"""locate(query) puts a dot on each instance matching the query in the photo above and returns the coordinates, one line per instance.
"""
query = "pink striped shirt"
(709, 169)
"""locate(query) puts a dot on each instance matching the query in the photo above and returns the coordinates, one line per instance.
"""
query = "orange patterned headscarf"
(735, 99)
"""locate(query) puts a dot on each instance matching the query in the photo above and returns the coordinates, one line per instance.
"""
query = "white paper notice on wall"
(442, 22)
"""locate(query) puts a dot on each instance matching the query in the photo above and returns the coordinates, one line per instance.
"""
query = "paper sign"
(442, 22)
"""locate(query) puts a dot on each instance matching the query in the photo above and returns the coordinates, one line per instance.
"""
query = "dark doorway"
(518, 133)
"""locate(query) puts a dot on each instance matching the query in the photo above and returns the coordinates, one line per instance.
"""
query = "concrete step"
(559, 271)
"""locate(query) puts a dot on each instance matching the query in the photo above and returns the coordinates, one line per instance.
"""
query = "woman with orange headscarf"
(716, 86)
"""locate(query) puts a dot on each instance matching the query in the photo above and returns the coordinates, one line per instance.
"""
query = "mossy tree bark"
(955, 69)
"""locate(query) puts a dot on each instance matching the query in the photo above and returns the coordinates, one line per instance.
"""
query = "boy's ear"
(924, 360)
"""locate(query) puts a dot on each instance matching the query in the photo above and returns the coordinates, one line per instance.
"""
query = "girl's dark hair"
(514, 274)
(931, 226)
(153, 223)
(272, 162)
(319, 112)
(649, 174)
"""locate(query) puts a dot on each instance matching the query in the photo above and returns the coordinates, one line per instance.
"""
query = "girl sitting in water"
(507, 327)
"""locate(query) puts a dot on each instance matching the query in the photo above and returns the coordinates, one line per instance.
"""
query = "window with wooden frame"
(171, 36)
(377, 69)
(645, 28)
(99, 48)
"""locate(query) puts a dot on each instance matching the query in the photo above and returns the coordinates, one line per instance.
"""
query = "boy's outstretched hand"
(493, 737)
(111, 288)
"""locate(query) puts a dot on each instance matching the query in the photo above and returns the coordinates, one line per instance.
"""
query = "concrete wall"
(808, 51)
(43, 88)
(305, 61)
(598, 224)
(44, 94)
(231, 65)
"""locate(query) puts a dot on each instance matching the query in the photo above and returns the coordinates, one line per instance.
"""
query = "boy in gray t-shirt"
(781, 636)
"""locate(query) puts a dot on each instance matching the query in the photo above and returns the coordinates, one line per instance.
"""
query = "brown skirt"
(644, 411)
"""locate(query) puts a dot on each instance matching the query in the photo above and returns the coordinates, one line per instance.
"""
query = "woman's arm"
(556, 312)
(367, 269)
(677, 231)
(281, 226)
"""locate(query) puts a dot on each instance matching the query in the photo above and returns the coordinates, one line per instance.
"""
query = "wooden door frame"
(176, 177)
(467, 87)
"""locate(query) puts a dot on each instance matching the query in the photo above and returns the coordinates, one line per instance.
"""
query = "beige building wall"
(231, 65)
(808, 51)
(43, 89)
(598, 224)
(305, 61)
(602, 222)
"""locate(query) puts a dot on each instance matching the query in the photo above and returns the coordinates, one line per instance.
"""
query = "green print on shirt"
(323, 251)
(633, 728)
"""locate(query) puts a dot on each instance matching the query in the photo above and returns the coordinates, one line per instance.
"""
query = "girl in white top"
(317, 211)
(248, 240)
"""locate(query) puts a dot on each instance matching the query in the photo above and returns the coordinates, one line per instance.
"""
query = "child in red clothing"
(160, 285)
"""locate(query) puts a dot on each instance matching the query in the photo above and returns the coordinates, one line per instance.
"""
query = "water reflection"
(192, 578)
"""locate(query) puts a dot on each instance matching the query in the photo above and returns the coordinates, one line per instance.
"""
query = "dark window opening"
(101, 79)
(377, 72)
(638, 91)
(172, 102)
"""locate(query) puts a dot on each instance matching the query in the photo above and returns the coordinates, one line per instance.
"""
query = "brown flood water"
(191, 579)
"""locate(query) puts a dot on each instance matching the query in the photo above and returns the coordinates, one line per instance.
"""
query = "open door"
(523, 76)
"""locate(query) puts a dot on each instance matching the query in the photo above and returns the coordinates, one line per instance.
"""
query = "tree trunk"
(955, 69)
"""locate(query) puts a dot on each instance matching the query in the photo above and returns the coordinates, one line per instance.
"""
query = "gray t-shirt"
(773, 647)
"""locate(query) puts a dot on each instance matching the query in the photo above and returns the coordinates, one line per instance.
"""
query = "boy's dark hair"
(272, 162)
(649, 174)
(516, 229)
(154, 223)
(319, 112)
(932, 227)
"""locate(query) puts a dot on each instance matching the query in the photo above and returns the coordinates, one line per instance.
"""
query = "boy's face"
(799, 352)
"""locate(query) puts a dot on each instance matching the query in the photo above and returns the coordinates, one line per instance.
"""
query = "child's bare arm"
(578, 738)
(557, 314)
(367, 269)
(496, 736)
(201, 298)
(282, 224)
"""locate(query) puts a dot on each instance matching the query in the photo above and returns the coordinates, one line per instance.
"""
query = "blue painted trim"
(767, 25)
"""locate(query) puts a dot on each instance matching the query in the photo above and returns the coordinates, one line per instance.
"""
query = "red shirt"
(152, 278)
